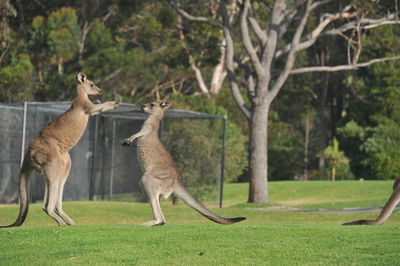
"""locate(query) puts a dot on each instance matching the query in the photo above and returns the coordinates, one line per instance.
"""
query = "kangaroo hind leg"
(52, 172)
(63, 178)
(152, 190)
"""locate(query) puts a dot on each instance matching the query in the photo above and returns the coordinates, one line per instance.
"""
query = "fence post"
(23, 146)
(221, 190)
(23, 133)
(94, 149)
(112, 159)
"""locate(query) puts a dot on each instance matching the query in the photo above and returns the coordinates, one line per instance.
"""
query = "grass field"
(108, 231)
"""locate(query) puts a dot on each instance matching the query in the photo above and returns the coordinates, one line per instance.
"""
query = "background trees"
(272, 48)
(142, 50)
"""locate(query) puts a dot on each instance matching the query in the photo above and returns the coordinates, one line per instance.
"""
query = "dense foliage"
(138, 50)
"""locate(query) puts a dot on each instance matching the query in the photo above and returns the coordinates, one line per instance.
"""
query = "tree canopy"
(142, 50)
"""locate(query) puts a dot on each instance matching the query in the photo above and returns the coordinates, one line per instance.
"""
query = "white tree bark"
(262, 86)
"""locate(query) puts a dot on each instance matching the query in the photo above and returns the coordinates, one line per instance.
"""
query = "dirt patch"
(307, 201)
(345, 210)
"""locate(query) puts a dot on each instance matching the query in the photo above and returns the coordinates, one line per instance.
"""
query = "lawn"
(108, 232)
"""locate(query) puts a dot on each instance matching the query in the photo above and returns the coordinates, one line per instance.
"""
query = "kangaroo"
(387, 209)
(161, 176)
(48, 152)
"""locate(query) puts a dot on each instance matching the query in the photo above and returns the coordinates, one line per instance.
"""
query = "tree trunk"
(81, 44)
(219, 73)
(333, 172)
(60, 68)
(323, 124)
(218, 77)
(258, 154)
(306, 144)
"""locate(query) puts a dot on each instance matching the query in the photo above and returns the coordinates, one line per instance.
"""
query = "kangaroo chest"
(68, 129)
(152, 153)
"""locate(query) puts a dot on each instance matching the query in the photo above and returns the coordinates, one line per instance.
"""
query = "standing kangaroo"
(48, 153)
(387, 209)
(161, 176)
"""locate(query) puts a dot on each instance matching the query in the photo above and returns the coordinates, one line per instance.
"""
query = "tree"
(63, 36)
(334, 157)
(370, 129)
(374, 149)
(272, 52)
(15, 78)
(6, 11)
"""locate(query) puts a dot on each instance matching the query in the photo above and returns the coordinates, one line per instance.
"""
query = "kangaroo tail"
(198, 206)
(23, 195)
(387, 209)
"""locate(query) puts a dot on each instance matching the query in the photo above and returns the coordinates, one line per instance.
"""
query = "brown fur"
(48, 152)
(161, 176)
(387, 209)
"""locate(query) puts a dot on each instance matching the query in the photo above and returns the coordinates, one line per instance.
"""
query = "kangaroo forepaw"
(126, 143)
(116, 103)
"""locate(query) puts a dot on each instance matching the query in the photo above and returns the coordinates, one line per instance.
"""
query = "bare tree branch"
(364, 24)
(197, 72)
(217, 79)
(229, 48)
(163, 86)
(251, 88)
(327, 19)
(258, 31)
(175, 5)
(229, 63)
(87, 27)
(247, 41)
(320, 3)
(342, 67)
(349, 50)
(289, 14)
(81, 46)
(273, 36)
(292, 10)
(198, 75)
(312, 37)
(110, 76)
(358, 47)
(219, 72)
(292, 54)
(390, 22)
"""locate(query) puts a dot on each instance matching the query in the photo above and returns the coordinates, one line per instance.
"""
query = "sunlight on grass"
(108, 231)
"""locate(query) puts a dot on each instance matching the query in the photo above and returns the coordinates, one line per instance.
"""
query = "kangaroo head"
(86, 85)
(155, 107)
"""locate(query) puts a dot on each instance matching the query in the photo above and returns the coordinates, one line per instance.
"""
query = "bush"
(195, 147)
(236, 151)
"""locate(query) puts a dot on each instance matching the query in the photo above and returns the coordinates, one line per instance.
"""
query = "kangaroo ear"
(165, 104)
(80, 77)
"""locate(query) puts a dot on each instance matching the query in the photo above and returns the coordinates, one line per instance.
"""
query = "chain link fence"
(102, 169)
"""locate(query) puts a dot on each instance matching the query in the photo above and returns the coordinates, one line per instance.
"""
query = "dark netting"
(117, 172)
(10, 155)
(102, 169)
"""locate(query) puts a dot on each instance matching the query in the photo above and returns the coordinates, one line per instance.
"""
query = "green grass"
(108, 231)
(245, 244)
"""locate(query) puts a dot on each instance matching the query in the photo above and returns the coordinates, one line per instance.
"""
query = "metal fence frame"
(129, 112)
